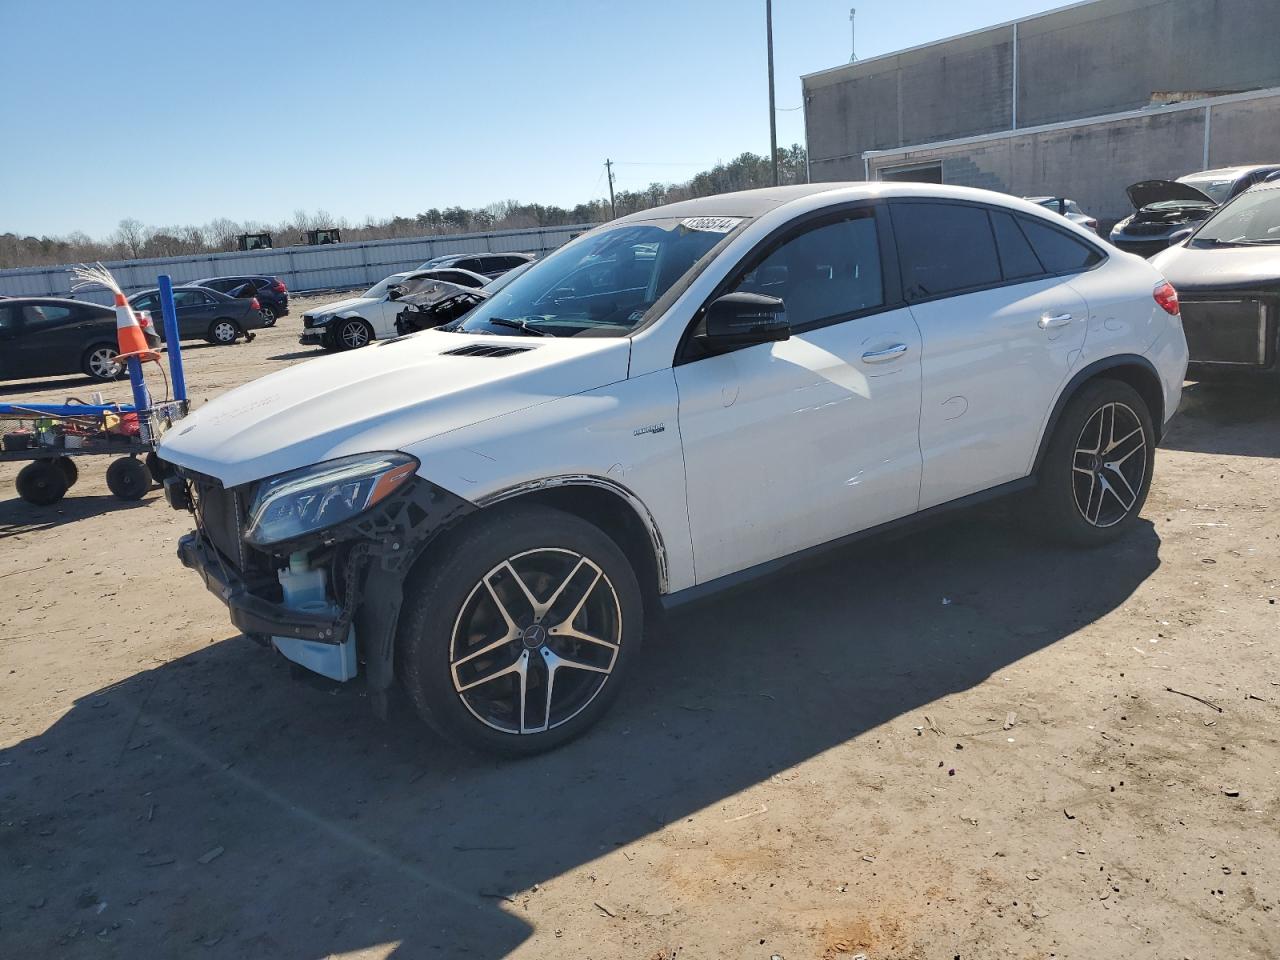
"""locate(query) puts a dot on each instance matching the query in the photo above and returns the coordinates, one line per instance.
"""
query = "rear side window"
(1016, 256)
(1058, 252)
(37, 317)
(944, 248)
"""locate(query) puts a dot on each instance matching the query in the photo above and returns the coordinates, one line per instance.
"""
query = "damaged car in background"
(1227, 274)
(1166, 211)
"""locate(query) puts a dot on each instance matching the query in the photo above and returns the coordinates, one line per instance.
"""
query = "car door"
(1001, 333)
(47, 341)
(788, 445)
(195, 311)
(10, 369)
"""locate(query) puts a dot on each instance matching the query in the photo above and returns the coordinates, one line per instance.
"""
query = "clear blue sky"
(178, 112)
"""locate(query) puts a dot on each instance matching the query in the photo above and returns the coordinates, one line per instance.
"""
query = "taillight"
(1167, 297)
(1092, 225)
(255, 305)
(279, 287)
(144, 318)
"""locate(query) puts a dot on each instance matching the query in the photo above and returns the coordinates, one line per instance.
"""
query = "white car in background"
(357, 321)
(1067, 208)
(680, 401)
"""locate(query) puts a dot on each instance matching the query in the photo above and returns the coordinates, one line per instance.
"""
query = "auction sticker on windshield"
(711, 224)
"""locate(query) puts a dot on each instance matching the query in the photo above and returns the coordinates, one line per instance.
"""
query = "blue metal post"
(172, 341)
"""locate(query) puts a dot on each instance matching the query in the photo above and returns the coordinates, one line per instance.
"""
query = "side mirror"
(395, 293)
(743, 319)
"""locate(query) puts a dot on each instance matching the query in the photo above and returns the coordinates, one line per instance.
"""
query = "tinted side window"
(44, 317)
(1016, 256)
(472, 264)
(188, 298)
(826, 272)
(944, 248)
(220, 285)
(150, 302)
(1058, 252)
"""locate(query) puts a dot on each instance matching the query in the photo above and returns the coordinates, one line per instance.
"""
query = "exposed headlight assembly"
(323, 495)
(321, 320)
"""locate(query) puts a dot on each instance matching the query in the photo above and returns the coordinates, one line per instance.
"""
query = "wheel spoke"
(518, 665)
(565, 627)
(1115, 492)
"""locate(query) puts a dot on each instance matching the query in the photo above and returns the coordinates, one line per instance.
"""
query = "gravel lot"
(959, 743)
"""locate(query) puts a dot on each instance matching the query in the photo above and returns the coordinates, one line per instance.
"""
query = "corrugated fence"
(331, 266)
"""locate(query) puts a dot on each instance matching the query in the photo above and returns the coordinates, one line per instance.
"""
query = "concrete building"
(1078, 102)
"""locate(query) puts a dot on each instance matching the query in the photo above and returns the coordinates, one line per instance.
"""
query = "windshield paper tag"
(711, 224)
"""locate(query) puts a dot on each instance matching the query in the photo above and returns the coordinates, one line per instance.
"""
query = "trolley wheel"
(41, 482)
(69, 470)
(128, 478)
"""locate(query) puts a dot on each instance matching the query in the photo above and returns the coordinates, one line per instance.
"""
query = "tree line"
(134, 240)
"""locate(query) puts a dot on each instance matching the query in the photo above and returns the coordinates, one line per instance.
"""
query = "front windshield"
(1251, 218)
(602, 283)
(379, 289)
(1218, 189)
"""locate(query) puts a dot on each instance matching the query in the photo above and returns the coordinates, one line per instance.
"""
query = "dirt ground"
(960, 743)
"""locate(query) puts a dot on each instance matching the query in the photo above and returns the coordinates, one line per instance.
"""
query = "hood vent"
(485, 350)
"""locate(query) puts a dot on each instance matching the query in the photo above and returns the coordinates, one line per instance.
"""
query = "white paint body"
(736, 459)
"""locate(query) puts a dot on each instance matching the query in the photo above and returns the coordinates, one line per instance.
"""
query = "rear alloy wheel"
(101, 362)
(352, 334)
(223, 332)
(268, 317)
(1096, 470)
(517, 641)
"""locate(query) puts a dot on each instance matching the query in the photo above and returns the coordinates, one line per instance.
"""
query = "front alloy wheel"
(516, 639)
(535, 641)
(353, 334)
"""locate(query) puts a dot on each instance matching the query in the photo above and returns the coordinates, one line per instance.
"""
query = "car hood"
(438, 290)
(1192, 269)
(383, 397)
(341, 306)
(1159, 191)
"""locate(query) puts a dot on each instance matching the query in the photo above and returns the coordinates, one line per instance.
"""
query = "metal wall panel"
(331, 266)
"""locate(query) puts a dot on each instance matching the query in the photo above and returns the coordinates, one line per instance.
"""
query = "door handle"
(1048, 322)
(885, 355)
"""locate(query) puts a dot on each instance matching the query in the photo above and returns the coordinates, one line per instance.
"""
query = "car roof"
(1232, 172)
(181, 286)
(246, 276)
(754, 203)
(52, 301)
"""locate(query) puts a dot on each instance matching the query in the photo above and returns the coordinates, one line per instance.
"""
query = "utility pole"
(773, 113)
(853, 35)
(613, 211)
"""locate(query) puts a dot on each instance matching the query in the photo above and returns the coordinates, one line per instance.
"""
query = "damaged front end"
(436, 304)
(312, 562)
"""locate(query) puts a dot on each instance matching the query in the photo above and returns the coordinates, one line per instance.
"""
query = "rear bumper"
(249, 612)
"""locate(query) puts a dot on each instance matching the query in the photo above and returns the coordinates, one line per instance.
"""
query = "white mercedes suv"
(488, 513)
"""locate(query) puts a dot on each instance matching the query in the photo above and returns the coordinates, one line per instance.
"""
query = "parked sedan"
(272, 294)
(492, 265)
(1067, 208)
(48, 336)
(1228, 279)
(205, 314)
(1166, 211)
(357, 321)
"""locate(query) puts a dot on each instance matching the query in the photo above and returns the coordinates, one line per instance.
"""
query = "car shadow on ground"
(70, 383)
(19, 517)
(323, 830)
(300, 354)
(1237, 417)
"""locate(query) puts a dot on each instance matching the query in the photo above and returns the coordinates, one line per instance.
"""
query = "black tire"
(92, 363)
(128, 478)
(223, 332)
(352, 333)
(446, 594)
(268, 317)
(1082, 497)
(42, 483)
(69, 470)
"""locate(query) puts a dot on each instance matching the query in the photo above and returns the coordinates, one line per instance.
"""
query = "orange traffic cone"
(132, 341)
(129, 334)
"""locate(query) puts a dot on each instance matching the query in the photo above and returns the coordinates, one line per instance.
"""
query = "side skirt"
(730, 581)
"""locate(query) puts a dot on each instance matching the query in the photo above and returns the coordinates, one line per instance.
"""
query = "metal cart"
(52, 436)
